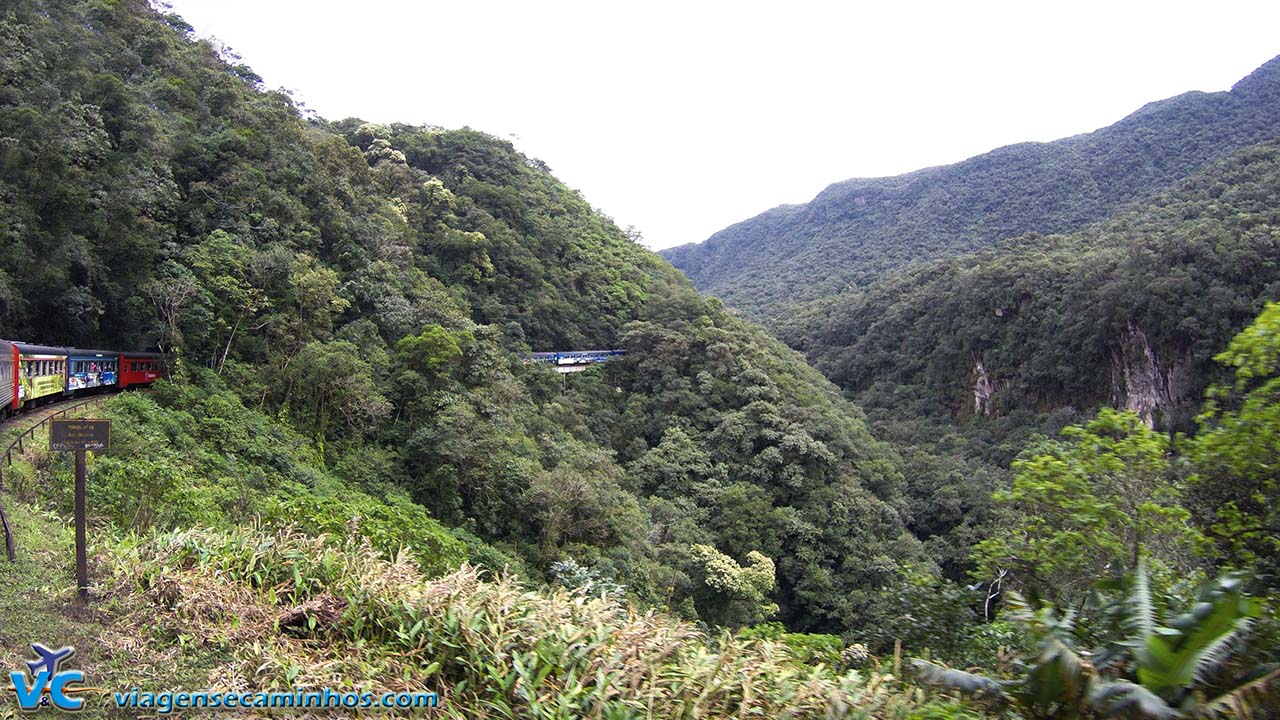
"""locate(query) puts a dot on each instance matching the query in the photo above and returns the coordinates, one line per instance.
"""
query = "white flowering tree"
(730, 594)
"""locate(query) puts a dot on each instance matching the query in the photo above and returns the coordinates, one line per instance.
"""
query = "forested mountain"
(857, 231)
(375, 289)
(1128, 313)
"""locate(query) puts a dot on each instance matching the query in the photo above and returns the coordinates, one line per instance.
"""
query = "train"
(32, 375)
(577, 357)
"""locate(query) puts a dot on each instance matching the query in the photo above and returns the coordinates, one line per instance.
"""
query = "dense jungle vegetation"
(1049, 317)
(355, 478)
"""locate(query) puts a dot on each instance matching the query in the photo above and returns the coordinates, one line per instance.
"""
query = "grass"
(38, 603)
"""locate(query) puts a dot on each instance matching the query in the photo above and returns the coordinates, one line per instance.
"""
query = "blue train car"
(91, 370)
(577, 357)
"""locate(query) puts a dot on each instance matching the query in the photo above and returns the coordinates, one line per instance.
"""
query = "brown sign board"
(79, 434)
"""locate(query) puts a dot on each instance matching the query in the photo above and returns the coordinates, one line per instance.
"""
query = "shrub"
(388, 526)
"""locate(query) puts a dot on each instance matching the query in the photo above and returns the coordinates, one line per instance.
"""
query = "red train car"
(138, 369)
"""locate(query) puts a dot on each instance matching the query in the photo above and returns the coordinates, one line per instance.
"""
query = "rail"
(17, 442)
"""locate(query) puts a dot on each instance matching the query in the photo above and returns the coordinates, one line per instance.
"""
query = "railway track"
(32, 420)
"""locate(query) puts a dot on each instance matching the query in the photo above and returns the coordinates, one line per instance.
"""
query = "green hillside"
(857, 231)
(1127, 313)
(375, 289)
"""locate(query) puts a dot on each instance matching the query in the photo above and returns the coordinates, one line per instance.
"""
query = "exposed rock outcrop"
(983, 389)
(1141, 383)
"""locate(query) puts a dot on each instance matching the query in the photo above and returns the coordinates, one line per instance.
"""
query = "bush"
(808, 648)
(388, 526)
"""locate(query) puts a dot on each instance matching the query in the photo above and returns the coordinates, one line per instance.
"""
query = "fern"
(1142, 615)
(1199, 641)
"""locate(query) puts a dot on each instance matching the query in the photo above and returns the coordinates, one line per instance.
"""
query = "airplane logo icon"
(50, 660)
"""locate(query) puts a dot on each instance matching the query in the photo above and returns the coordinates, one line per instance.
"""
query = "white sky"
(683, 118)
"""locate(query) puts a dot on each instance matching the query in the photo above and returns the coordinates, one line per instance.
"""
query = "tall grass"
(308, 612)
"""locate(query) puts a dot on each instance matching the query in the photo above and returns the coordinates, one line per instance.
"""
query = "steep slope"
(1127, 313)
(374, 289)
(859, 230)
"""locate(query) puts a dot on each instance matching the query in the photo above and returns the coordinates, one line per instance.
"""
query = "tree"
(580, 501)
(673, 467)
(170, 296)
(328, 381)
(432, 353)
(1102, 500)
(1237, 451)
(223, 266)
(733, 595)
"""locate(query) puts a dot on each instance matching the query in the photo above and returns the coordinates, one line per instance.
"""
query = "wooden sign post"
(80, 435)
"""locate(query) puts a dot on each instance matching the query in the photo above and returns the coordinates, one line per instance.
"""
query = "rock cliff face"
(1141, 382)
(983, 389)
